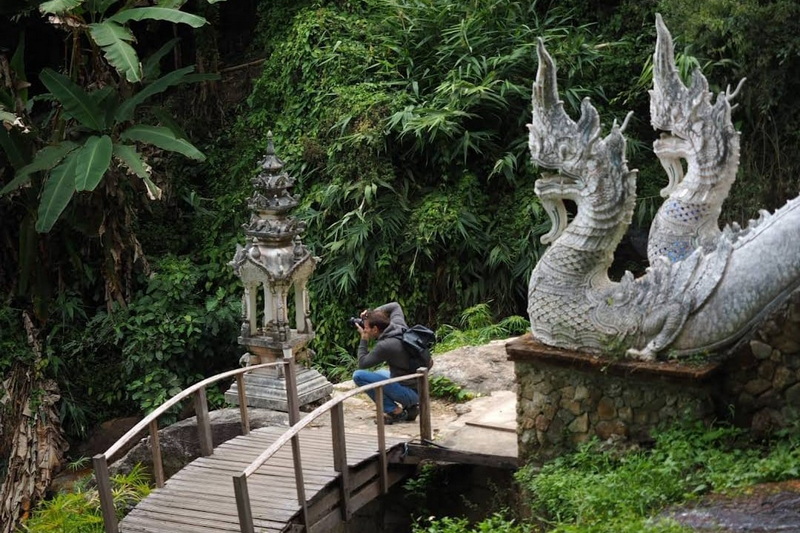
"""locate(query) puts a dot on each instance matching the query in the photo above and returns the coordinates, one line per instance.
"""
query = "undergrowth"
(78, 511)
(497, 523)
(447, 389)
(601, 490)
(477, 327)
(611, 491)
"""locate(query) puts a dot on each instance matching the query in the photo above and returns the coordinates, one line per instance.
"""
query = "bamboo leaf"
(158, 13)
(58, 191)
(58, 6)
(131, 159)
(45, 159)
(163, 138)
(125, 111)
(75, 100)
(93, 161)
(113, 39)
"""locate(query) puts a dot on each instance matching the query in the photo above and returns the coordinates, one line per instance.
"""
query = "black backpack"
(418, 341)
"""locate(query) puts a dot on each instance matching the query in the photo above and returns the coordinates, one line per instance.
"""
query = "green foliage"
(79, 511)
(596, 490)
(89, 152)
(417, 487)
(81, 152)
(447, 389)
(180, 328)
(477, 327)
(13, 345)
(468, 68)
(404, 123)
(174, 333)
(81, 166)
(497, 523)
(758, 41)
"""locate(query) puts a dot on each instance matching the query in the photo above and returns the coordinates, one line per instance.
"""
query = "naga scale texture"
(705, 288)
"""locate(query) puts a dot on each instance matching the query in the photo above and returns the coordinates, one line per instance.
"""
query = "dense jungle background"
(131, 131)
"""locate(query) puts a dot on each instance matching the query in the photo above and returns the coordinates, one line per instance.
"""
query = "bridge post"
(110, 524)
(245, 416)
(290, 375)
(155, 452)
(203, 422)
(340, 458)
(243, 503)
(425, 429)
(382, 461)
(292, 400)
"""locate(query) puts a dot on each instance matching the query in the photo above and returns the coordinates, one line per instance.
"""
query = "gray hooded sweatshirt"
(389, 348)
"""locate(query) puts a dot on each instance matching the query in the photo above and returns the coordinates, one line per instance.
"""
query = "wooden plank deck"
(200, 498)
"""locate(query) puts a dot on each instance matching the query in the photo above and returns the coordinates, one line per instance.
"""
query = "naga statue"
(705, 288)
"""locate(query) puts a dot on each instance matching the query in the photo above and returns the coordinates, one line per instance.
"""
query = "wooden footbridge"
(256, 483)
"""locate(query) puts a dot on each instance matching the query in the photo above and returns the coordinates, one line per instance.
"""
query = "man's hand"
(364, 333)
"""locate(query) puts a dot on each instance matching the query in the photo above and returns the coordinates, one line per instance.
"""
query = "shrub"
(611, 491)
(79, 511)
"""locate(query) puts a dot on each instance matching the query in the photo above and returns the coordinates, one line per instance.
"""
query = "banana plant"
(97, 136)
(96, 132)
(111, 33)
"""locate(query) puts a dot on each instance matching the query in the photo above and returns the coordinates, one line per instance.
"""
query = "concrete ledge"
(527, 349)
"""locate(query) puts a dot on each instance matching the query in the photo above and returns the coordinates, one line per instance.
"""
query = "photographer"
(385, 324)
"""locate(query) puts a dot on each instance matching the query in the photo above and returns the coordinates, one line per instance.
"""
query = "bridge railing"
(336, 408)
(101, 461)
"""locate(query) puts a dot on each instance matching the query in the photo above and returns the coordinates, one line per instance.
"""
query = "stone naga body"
(705, 288)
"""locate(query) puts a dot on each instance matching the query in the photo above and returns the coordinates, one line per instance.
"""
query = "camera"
(355, 321)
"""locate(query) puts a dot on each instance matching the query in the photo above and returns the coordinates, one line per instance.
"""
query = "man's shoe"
(413, 411)
(391, 418)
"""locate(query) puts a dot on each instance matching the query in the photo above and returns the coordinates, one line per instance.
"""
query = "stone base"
(266, 388)
(566, 397)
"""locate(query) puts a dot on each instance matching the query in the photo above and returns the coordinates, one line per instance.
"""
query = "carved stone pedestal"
(274, 266)
(266, 388)
(566, 397)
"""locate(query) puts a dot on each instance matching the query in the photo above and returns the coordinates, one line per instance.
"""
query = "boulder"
(478, 369)
(180, 444)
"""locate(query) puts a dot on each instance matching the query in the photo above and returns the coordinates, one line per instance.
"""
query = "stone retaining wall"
(564, 397)
(762, 381)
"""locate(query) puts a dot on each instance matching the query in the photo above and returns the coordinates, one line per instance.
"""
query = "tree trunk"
(30, 436)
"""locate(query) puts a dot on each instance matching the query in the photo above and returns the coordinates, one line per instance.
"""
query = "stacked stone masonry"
(565, 398)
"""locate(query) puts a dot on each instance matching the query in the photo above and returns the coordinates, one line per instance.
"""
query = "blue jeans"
(393, 393)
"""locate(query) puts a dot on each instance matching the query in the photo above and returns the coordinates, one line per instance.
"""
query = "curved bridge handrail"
(145, 422)
(101, 460)
(313, 415)
(336, 408)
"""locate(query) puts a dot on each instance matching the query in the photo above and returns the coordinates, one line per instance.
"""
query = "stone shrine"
(274, 265)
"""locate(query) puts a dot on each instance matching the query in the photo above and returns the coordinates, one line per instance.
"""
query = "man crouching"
(385, 324)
